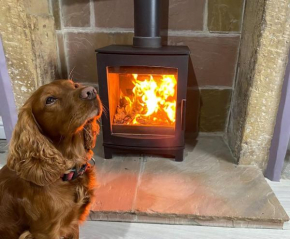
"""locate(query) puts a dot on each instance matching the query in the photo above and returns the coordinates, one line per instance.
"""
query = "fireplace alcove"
(207, 188)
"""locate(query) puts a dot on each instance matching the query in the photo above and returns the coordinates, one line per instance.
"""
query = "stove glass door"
(142, 100)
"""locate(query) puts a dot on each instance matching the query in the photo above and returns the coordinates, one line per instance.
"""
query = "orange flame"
(153, 100)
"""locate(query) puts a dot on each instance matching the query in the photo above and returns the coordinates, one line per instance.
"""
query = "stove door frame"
(171, 145)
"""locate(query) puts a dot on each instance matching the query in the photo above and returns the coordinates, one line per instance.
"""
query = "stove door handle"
(183, 110)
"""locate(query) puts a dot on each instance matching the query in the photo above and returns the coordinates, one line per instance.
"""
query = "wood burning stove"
(143, 88)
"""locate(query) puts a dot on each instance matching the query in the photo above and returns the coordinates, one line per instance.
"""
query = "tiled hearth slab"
(207, 188)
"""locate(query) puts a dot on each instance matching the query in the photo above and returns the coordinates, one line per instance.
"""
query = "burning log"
(123, 117)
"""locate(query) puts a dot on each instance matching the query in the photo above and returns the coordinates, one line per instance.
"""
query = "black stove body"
(118, 66)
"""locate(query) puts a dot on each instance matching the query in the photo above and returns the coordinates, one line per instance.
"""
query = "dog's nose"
(88, 93)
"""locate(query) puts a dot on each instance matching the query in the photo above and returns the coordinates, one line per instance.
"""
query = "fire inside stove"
(142, 100)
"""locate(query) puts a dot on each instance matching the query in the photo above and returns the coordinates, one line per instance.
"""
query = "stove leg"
(179, 155)
(108, 153)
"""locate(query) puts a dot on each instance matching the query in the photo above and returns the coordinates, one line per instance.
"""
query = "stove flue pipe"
(147, 24)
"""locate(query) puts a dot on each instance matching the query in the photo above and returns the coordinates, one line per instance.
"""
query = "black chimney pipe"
(147, 24)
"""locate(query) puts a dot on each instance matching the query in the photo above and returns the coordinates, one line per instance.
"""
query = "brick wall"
(211, 29)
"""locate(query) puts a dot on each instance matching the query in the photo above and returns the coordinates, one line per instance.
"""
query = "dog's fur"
(47, 141)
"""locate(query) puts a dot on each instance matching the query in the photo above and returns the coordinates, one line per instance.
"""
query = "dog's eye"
(77, 85)
(50, 100)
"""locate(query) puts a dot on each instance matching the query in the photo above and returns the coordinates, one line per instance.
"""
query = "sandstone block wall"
(211, 29)
(262, 61)
(28, 35)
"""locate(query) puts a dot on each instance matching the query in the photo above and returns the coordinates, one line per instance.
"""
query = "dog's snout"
(88, 93)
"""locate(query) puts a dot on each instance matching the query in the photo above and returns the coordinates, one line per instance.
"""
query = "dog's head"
(56, 128)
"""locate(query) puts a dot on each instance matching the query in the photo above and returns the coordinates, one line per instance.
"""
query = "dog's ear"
(31, 155)
(91, 130)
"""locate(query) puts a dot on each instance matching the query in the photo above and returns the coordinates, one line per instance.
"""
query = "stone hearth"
(208, 188)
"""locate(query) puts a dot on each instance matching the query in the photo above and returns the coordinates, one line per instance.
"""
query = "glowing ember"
(151, 102)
